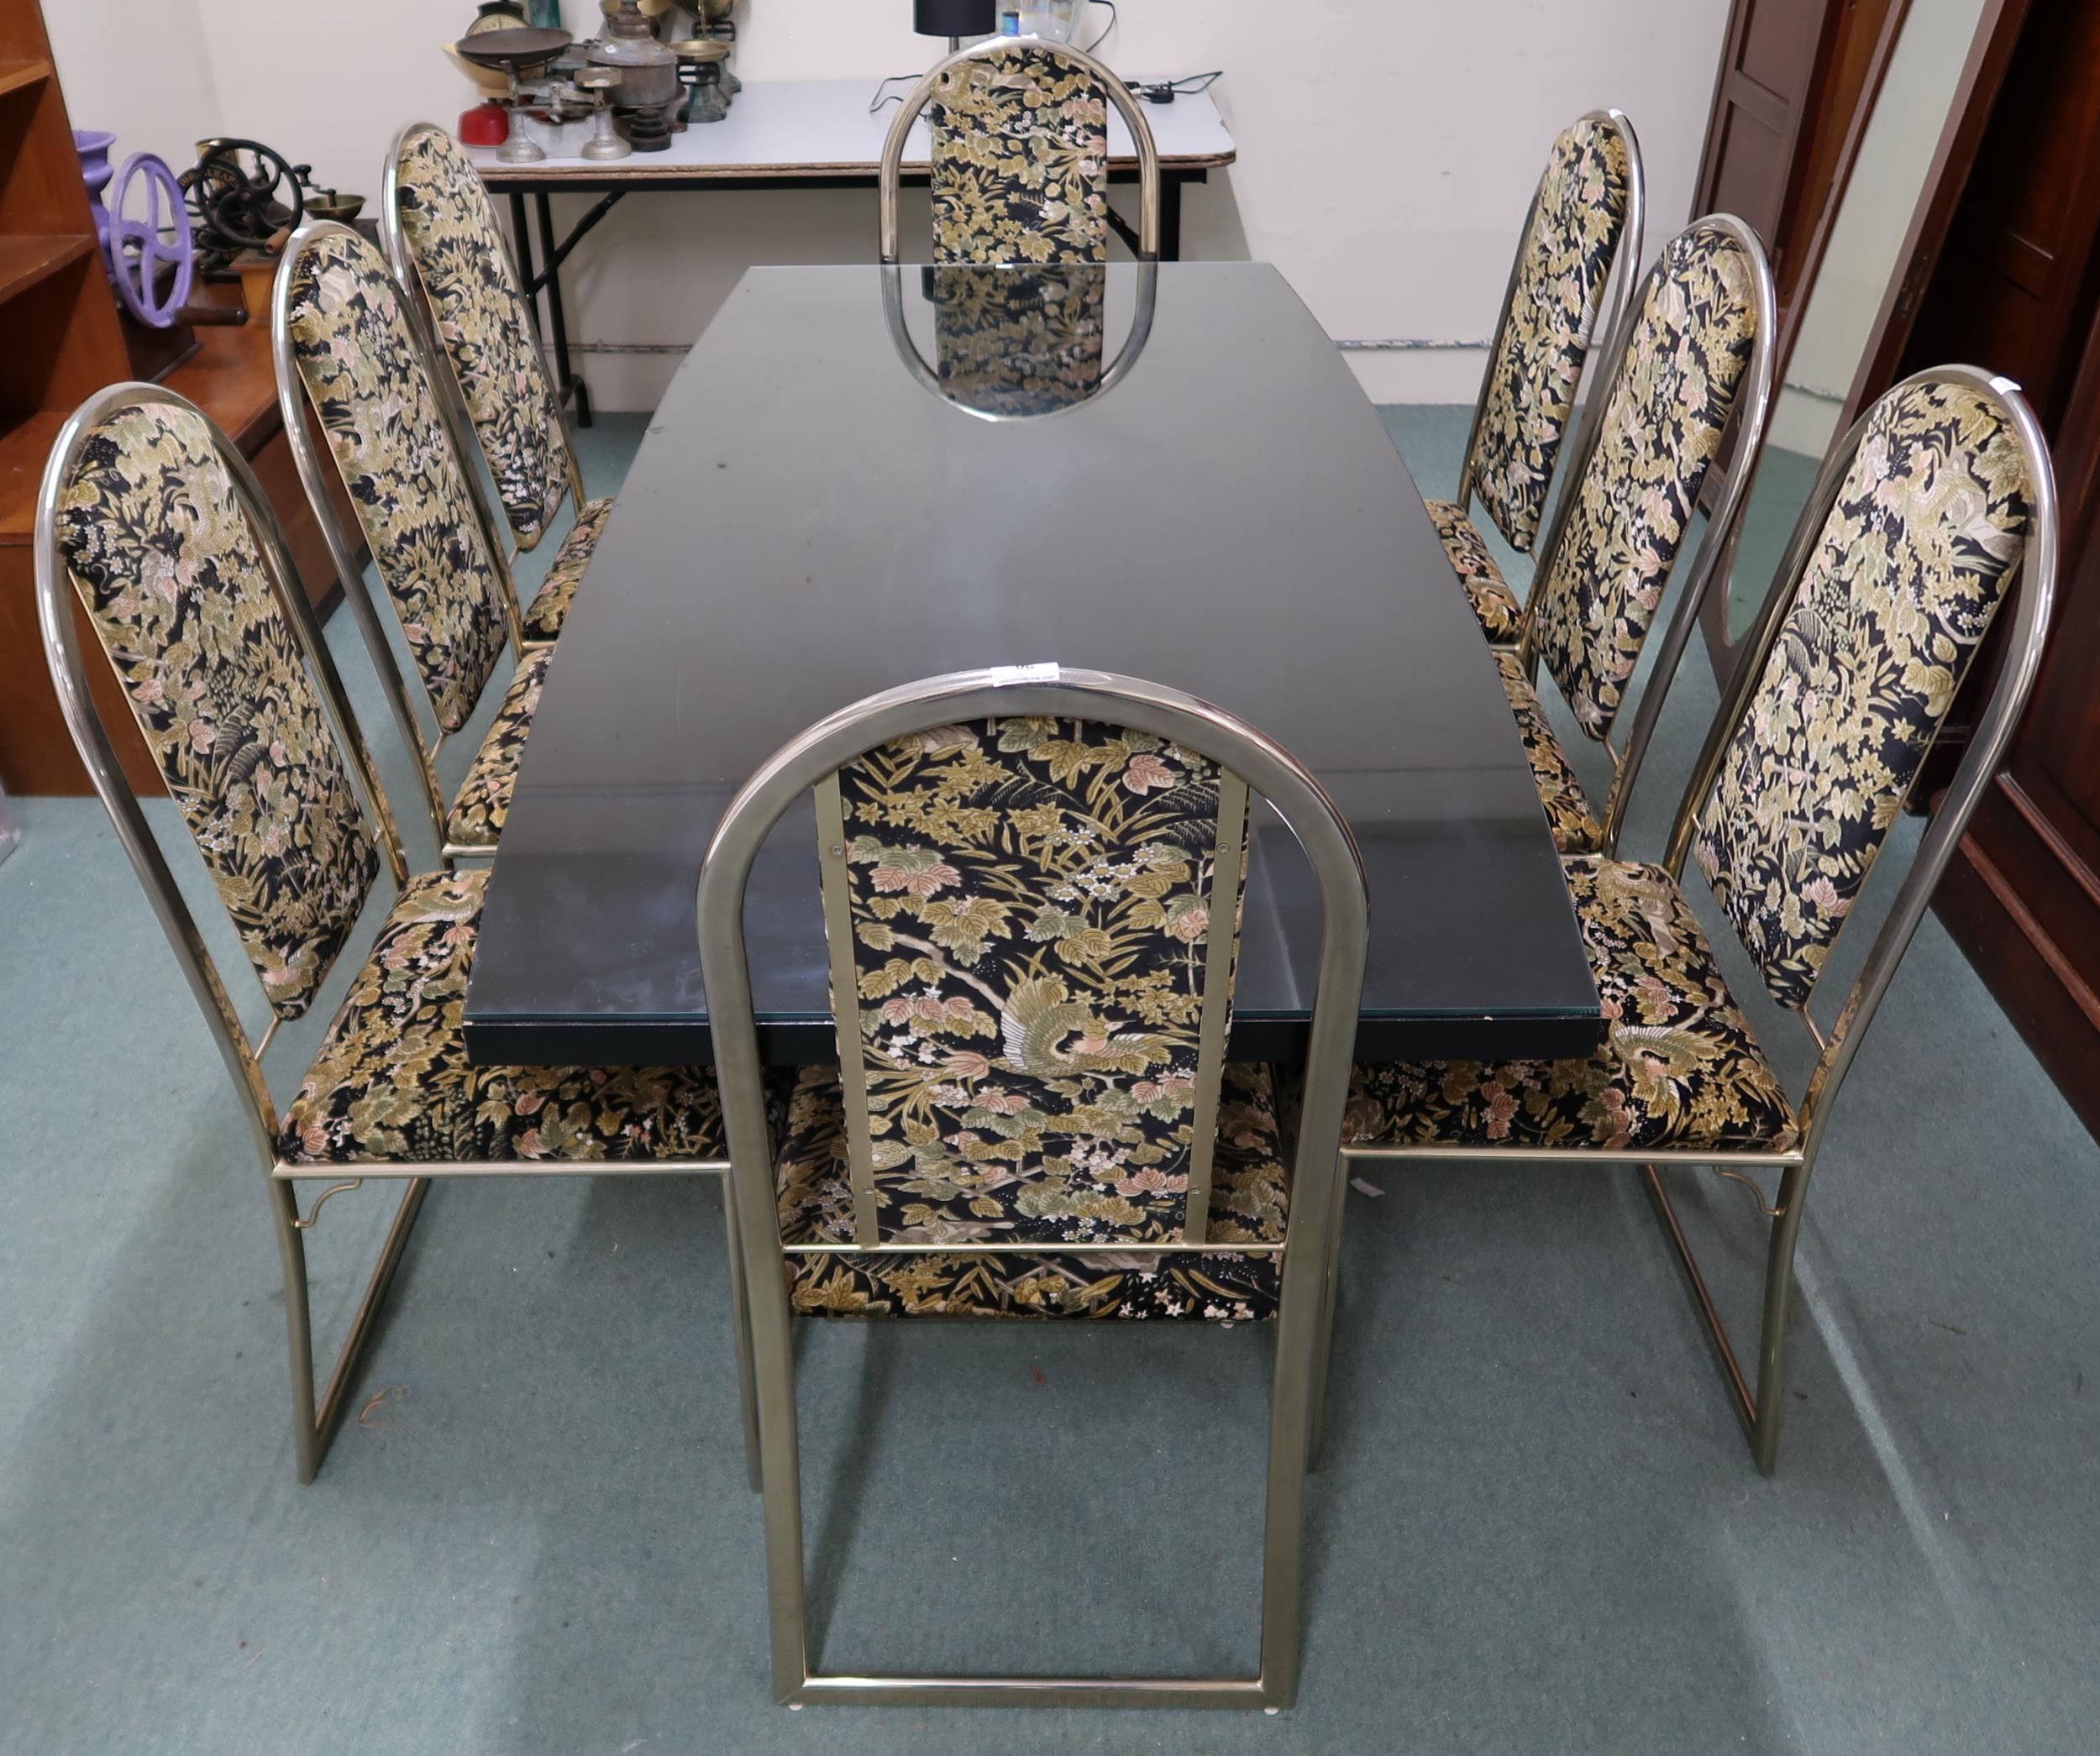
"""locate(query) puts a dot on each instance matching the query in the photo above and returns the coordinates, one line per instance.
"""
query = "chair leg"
(1330, 1298)
(313, 1425)
(740, 1327)
(1762, 1412)
(1773, 1342)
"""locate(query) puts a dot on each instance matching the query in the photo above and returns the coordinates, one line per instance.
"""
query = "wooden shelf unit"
(63, 342)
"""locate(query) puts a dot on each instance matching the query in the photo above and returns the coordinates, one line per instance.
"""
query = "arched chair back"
(1586, 218)
(344, 338)
(1690, 364)
(1938, 499)
(441, 233)
(1019, 168)
(1030, 883)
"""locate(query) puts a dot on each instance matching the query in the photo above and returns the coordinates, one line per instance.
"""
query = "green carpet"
(1537, 1529)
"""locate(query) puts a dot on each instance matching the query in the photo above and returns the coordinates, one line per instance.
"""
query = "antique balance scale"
(625, 76)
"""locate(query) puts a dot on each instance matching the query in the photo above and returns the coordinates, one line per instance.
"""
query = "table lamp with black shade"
(954, 20)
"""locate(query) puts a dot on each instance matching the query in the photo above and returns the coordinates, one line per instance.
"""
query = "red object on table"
(486, 124)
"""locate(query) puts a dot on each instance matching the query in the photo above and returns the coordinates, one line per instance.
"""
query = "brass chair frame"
(1746, 422)
(314, 1418)
(317, 474)
(808, 762)
(1760, 1408)
(402, 259)
(1618, 283)
(1112, 374)
(890, 174)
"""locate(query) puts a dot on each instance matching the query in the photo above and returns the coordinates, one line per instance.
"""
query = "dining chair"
(1918, 523)
(150, 517)
(1693, 354)
(1019, 170)
(1031, 884)
(1586, 217)
(441, 234)
(344, 344)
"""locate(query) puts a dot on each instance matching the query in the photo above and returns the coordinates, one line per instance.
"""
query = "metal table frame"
(541, 270)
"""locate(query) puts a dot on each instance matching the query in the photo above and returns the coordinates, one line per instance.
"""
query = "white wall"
(138, 68)
(1387, 147)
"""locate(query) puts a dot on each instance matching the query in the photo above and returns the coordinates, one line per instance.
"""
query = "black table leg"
(521, 247)
(566, 381)
(1169, 217)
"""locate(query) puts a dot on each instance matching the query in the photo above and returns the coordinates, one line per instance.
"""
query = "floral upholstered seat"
(1249, 1202)
(392, 1080)
(484, 325)
(354, 349)
(1575, 827)
(1578, 219)
(1501, 617)
(1679, 1070)
(549, 607)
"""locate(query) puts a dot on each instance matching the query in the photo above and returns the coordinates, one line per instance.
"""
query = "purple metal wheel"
(139, 247)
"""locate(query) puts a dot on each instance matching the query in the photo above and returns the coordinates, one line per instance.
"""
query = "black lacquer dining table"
(820, 510)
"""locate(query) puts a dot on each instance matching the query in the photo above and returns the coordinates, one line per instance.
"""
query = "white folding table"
(788, 135)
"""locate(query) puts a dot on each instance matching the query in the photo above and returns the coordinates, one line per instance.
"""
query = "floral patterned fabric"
(392, 1081)
(1020, 163)
(1018, 342)
(1680, 1071)
(172, 579)
(1249, 1198)
(486, 330)
(365, 377)
(1662, 424)
(1500, 615)
(1898, 592)
(1568, 813)
(1029, 901)
(1537, 362)
(483, 802)
(549, 608)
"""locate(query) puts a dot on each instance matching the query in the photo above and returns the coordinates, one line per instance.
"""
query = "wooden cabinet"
(62, 343)
(2017, 288)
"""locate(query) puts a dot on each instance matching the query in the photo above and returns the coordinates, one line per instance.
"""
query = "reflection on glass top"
(806, 525)
(1010, 344)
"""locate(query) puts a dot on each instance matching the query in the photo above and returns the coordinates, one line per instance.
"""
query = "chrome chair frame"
(1747, 421)
(314, 1419)
(808, 762)
(401, 260)
(317, 474)
(891, 171)
(929, 379)
(1618, 282)
(1761, 1409)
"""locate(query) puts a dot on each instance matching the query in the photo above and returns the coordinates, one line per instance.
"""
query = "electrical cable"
(1113, 21)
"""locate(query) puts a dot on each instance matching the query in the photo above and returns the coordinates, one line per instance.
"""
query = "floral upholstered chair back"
(1032, 924)
(485, 328)
(1668, 404)
(1898, 592)
(170, 570)
(1020, 164)
(1577, 221)
(1019, 342)
(365, 376)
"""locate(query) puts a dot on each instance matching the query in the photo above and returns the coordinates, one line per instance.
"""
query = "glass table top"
(860, 477)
